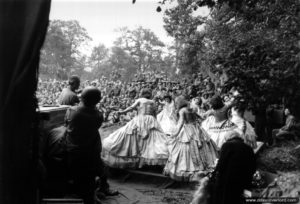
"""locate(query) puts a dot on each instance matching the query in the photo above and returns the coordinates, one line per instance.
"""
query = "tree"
(117, 64)
(99, 54)
(169, 64)
(123, 63)
(182, 24)
(61, 51)
(252, 41)
(143, 46)
(255, 45)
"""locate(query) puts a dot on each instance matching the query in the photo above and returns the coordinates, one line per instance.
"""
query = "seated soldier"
(291, 129)
(68, 95)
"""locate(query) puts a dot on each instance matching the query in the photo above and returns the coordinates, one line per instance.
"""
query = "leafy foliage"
(98, 55)
(61, 51)
(143, 46)
(181, 24)
(123, 63)
(136, 50)
(256, 43)
(258, 49)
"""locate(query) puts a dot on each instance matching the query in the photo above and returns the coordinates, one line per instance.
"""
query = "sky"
(102, 17)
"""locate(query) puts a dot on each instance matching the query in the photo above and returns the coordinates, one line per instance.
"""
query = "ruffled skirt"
(191, 154)
(166, 121)
(140, 142)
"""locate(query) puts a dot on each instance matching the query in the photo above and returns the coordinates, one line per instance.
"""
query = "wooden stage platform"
(52, 116)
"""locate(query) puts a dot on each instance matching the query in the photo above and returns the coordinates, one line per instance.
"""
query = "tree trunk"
(261, 124)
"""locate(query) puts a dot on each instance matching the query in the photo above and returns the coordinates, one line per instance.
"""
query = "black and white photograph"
(149, 101)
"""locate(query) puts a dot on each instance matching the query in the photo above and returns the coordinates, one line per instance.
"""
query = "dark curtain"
(23, 26)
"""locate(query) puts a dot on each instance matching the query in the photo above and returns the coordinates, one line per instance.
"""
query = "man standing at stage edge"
(84, 147)
(68, 95)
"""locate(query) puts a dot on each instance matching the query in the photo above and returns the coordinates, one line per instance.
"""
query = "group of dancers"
(183, 142)
(176, 138)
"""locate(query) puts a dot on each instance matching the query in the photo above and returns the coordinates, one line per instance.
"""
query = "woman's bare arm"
(132, 107)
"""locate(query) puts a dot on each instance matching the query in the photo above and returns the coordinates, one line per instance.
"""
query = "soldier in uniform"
(68, 95)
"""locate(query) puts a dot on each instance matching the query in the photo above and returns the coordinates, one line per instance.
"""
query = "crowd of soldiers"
(117, 95)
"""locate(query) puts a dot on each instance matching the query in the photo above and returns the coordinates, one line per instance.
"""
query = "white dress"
(140, 142)
(218, 130)
(244, 128)
(192, 152)
(167, 118)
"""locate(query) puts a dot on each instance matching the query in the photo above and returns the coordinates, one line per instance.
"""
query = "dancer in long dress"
(140, 142)
(244, 128)
(191, 150)
(167, 117)
(217, 124)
